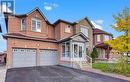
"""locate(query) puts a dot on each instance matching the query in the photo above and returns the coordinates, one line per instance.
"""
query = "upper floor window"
(84, 30)
(36, 25)
(23, 24)
(107, 37)
(98, 38)
(68, 29)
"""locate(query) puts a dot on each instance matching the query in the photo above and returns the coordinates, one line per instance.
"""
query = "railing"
(85, 61)
(89, 59)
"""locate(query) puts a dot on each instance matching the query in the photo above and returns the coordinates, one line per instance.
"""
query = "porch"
(104, 51)
(74, 51)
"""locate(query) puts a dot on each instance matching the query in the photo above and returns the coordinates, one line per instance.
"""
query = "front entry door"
(78, 50)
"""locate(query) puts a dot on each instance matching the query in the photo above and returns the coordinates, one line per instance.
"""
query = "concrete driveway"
(55, 74)
(2, 73)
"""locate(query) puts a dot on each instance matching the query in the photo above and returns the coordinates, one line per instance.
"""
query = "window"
(63, 50)
(107, 37)
(80, 51)
(67, 50)
(23, 24)
(75, 50)
(36, 25)
(84, 30)
(98, 38)
(68, 29)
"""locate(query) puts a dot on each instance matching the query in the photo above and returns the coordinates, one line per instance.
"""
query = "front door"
(78, 51)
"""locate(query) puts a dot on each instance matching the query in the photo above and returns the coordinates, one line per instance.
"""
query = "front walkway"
(2, 73)
(109, 74)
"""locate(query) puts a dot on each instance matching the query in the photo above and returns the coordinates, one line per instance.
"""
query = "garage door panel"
(24, 57)
(48, 57)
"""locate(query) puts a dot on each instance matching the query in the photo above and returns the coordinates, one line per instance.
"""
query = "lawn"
(111, 68)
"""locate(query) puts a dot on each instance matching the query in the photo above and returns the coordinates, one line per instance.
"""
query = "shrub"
(94, 54)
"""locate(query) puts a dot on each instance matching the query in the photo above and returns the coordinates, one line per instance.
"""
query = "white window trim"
(65, 58)
(98, 38)
(67, 27)
(83, 26)
(37, 20)
(22, 24)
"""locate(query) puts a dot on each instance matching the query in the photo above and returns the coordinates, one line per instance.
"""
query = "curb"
(118, 76)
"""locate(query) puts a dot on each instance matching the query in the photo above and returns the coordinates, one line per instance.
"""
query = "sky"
(100, 12)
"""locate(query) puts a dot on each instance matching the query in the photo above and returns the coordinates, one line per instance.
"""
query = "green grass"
(112, 68)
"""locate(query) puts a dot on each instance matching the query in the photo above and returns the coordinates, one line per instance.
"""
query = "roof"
(24, 15)
(103, 45)
(73, 23)
(60, 20)
(37, 9)
(21, 36)
(73, 36)
(99, 31)
(0, 29)
(2, 53)
(86, 18)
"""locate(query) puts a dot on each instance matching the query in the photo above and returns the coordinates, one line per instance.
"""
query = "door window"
(80, 51)
(63, 50)
(75, 50)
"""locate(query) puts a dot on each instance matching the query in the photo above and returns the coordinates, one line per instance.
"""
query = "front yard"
(112, 68)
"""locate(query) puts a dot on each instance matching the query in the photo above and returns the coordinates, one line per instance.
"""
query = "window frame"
(98, 37)
(36, 26)
(86, 28)
(68, 27)
(22, 24)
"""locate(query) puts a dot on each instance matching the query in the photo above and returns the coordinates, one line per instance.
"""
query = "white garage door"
(48, 57)
(24, 57)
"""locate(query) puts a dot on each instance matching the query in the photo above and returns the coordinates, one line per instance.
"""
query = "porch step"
(86, 65)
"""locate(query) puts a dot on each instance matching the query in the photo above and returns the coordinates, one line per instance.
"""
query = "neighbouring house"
(33, 41)
(3, 57)
(104, 50)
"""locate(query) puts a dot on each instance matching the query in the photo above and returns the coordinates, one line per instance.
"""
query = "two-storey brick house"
(33, 41)
(99, 37)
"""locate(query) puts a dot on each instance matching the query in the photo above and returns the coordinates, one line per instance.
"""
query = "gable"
(37, 13)
(79, 37)
(84, 23)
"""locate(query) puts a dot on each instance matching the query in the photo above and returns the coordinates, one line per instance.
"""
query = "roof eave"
(21, 37)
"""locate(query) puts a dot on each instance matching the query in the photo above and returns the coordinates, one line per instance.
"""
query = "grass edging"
(111, 68)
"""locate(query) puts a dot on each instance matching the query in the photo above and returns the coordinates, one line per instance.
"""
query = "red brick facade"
(46, 39)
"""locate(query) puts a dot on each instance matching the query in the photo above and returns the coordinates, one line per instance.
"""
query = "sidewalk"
(108, 74)
(2, 73)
